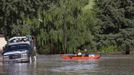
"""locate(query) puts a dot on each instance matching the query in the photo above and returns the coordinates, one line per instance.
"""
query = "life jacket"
(79, 54)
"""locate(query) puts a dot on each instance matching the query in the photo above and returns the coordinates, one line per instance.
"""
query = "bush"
(109, 49)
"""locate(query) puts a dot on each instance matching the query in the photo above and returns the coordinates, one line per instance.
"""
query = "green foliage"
(61, 25)
(55, 24)
(109, 49)
(115, 23)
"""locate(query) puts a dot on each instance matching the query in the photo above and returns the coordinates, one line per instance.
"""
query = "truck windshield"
(17, 47)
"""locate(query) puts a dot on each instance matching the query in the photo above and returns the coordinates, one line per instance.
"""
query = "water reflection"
(12, 68)
(55, 65)
(116, 65)
(76, 66)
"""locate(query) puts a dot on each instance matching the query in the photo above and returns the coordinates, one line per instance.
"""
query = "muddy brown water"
(55, 65)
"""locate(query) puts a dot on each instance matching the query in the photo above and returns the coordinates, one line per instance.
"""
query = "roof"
(17, 38)
(19, 43)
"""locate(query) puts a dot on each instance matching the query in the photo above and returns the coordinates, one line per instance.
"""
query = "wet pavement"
(55, 65)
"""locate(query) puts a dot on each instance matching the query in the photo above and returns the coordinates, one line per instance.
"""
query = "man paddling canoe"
(79, 53)
(86, 52)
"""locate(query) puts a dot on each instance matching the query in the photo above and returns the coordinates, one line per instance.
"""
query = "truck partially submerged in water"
(20, 49)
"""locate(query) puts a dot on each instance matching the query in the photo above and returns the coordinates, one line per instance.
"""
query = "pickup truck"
(21, 51)
(17, 52)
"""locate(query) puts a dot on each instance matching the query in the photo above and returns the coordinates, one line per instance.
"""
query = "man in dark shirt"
(85, 52)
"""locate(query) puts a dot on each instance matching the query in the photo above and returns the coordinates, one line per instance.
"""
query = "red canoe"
(67, 57)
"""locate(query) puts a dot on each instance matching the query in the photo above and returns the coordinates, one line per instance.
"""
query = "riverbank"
(117, 53)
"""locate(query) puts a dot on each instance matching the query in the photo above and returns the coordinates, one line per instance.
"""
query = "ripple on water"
(79, 67)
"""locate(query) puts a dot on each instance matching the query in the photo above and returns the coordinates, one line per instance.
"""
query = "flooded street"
(55, 65)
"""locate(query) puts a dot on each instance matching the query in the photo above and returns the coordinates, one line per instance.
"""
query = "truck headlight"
(24, 55)
(6, 57)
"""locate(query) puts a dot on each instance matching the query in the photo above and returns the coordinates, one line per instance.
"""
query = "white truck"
(20, 49)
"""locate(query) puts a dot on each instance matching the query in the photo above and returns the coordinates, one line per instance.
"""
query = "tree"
(56, 24)
(115, 23)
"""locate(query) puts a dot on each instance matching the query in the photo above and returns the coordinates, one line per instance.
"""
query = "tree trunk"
(127, 50)
(65, 35)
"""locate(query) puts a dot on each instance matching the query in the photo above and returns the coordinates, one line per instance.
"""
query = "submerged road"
(55, 65)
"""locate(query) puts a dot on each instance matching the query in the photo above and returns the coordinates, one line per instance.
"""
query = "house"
(3, 42)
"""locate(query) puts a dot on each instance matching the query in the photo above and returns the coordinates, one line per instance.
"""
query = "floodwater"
(55, 65)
